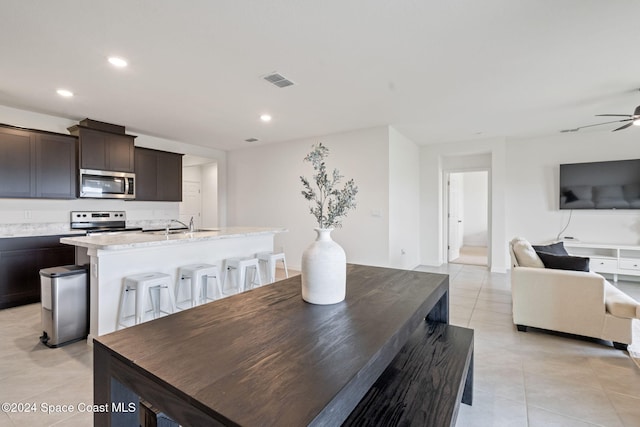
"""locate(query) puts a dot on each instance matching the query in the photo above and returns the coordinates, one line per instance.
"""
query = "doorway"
(468, 217)
(201, 193)
(191, 205)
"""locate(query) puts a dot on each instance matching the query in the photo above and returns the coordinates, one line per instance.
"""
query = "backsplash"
(35, 229)
(55, 228)
(31, 217)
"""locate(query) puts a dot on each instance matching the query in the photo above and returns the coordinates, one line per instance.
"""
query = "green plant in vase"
(329, 203)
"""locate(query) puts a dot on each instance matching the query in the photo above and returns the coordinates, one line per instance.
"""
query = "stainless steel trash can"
(65, 300)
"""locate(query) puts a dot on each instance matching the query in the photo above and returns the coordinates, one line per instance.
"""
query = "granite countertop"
(159, 238)
(34, 230)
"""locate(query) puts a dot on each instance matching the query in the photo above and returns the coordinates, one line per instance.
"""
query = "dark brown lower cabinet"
(21, 259)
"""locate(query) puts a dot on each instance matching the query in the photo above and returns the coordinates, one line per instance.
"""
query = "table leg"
(114, 404)
(101, 386)
(440, 311)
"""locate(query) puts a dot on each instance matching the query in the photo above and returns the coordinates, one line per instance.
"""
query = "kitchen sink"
(182, 231)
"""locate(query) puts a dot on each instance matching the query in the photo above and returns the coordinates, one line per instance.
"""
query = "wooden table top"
(266, 357)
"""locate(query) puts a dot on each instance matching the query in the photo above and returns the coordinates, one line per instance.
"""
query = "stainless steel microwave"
(107, 184)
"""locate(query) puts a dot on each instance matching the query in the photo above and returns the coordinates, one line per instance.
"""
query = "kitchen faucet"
(190, 226)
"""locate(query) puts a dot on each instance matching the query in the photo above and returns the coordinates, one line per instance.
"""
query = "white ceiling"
(437, 71)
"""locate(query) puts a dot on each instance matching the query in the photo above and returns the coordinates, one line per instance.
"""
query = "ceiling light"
(64, 92)
(117, 62)
(265, 118)
(636, 122)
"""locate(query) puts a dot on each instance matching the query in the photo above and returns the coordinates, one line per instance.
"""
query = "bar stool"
(269, 260)
(199, 275)
(240, 267)
(141, 284)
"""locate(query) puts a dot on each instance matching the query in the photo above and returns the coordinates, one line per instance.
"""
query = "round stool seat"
(199, 274)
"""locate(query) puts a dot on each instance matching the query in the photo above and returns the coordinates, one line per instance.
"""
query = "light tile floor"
(472, 255)
(537, 379)
(521, 379)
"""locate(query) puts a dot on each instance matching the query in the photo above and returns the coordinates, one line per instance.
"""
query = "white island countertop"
(159, 238)
(113, 257)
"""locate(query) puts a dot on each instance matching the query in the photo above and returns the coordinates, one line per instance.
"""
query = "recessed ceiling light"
(265, 118)
(64, 92)
(117, 62)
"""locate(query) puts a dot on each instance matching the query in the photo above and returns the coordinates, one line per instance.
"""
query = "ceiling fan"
(632, 119)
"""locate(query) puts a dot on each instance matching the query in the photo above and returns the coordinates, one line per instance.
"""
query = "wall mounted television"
(600, 185)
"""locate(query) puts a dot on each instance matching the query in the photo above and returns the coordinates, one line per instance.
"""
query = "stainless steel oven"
(101, 222)
(107, 185)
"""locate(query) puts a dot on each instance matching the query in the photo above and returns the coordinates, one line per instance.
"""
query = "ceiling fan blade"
(613, 115)
(623, 127)
(605, 123)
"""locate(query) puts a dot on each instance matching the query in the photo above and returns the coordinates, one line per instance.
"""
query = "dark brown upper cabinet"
(158, 175)
(103, 150)
(37, 164)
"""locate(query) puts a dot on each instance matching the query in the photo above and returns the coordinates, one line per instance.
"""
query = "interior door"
(191, 204)
(455, 215)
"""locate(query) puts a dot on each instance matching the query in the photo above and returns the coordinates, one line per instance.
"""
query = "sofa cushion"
(602, 192)
(577, 197)
(564, 262)
(525, 254)
(631, 192)
(580, 192)
(609, 197)
(620, 304)
(554, 248)
(570, 196)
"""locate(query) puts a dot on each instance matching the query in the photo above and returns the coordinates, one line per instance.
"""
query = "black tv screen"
(600, 185)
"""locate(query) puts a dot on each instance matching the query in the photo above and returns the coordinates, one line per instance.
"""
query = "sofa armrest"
(563, 300)
(620, 304)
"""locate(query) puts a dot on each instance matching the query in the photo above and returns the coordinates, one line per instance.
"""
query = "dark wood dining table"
(265, 357)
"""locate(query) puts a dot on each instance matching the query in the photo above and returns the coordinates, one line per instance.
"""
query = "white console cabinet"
(608, 258)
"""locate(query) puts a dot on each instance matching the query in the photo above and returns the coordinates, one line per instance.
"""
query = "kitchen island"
(114, 256)
(266, 357)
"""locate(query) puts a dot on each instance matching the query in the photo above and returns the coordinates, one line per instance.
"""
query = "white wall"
(191, 173)
(264, 189)
(28, 211)
(404, 201)
(523, 187)
(532, 187)
(475, 194)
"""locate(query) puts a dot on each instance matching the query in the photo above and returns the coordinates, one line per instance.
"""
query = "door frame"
(459, 230)
(445, 209)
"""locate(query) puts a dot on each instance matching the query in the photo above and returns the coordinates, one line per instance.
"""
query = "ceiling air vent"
(251, 140)
(278, 80)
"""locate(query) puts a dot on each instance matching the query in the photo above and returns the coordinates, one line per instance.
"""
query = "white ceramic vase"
(324, 270)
